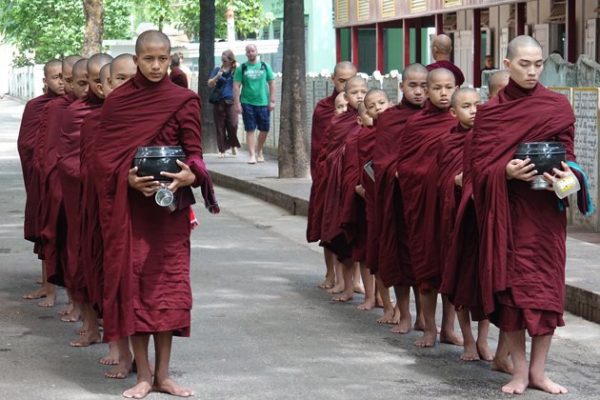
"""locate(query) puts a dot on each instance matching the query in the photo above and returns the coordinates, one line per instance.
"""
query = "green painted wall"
(394, 49)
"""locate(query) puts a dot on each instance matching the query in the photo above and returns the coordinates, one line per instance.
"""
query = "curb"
(580, 302)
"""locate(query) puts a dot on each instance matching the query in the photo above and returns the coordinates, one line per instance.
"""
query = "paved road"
(261, 328)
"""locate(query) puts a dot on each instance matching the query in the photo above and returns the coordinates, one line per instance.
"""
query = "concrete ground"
(261, 328)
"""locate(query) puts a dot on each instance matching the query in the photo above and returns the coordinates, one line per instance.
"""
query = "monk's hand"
(558, 174)
(183, 178)
(520, 169)
(145, 184)
(458, 179)
(360, 191)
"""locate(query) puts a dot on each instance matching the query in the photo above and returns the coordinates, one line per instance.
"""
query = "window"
(341, 11)
(362, 10)
(388, 8)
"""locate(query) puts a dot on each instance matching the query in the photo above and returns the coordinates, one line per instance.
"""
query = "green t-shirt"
(255, 90)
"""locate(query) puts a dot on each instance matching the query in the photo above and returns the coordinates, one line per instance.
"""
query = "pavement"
(261, 329)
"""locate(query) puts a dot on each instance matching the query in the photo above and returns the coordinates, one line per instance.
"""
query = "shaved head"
(98, 61)
(441, 45)
(104, 73)
(438, 74)
(151, 37)
(69, 61)
(80, 78)
(355, 81)
(120, 60)
(460, 93)
(344, 65)
(122, 68)
(80, 67)
(373, 92)
(51, 65)
(413, 70)
(520, 42)
(497, 82)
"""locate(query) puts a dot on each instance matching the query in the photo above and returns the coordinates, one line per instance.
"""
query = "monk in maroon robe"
(51, 225)
(177, 76)
(332, 236)
(146, 247)
(417, 175)
(68, 166)
(26, 143)
(441, 50)
(322, 115)
(388, 230)
(523, 231)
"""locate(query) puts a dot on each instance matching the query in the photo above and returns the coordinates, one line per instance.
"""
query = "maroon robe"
(458, 75)
(366, 149)
(91, 248)
(460, 239)
(68, 164)
(324, 111)
(417, 176)
(389, 230)
(52, 218)
(335, 136)
(146, 247)
(179, 77)
(26, 143)
(523, 231)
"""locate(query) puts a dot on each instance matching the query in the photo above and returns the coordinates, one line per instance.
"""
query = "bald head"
(441, 47)
(498, 81)
(122, 68)
(355, 81)
(105, 73)
(98, 61)
(69, 61)
(152, 38)
(53, 77)
(80, 78)
(440, 74)
(413, 70)
(463, 106)
(344, 66)
(52, 65)
(462, 93)
(519, 43)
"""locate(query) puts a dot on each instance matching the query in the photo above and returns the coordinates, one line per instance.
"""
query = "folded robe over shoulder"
(389, 230)
(68, 165)
(26, 143)
(324, 111)
(146, 248)
(523, 232)
(51, 215)
(417, 175)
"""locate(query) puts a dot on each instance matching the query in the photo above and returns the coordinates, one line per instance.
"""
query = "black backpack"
(263, 67)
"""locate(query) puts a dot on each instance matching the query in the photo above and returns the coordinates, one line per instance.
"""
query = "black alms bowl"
(545, 155)
(152, 160)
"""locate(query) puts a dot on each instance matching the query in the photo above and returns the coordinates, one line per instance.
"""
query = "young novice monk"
(332, 235)
(523, 231)
(462, 291)
(147, 248)
(417, 175)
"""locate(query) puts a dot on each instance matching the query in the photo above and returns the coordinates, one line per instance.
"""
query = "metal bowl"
(152, 160)
(545, 156)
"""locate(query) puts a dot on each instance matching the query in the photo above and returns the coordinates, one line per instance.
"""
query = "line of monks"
(94, 222)
(428, 194)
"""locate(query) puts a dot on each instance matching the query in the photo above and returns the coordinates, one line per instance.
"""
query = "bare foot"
(170, 387)
(547, 385)
(451, 337)
(367, 305)
(484, 350)
(328, 283)
(336, 289)
(120, 371)
(427, 340)
(112, 358)
(73, 316)
(387, 317)
(470, 352)
(85, 340)
(39, 281)
(342, 298)
(139, 391)
(402, 327)
(504, 365)
(47, 302)
(66, 309)
(36, 294)
(516, 386)
(359, 289)
(419, 325)
(396, 316)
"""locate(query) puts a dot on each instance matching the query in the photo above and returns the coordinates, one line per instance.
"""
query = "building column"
(439, 24)
(521, 18)
(418, 41)
(338, 45)
(477, 47)
(354, 41)
(406, 38)
(571, 32)
(380, 43)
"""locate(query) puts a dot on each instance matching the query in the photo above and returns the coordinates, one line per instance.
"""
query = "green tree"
(45, 29)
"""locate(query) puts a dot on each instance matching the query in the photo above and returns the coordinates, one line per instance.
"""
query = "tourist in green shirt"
(254, 97)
